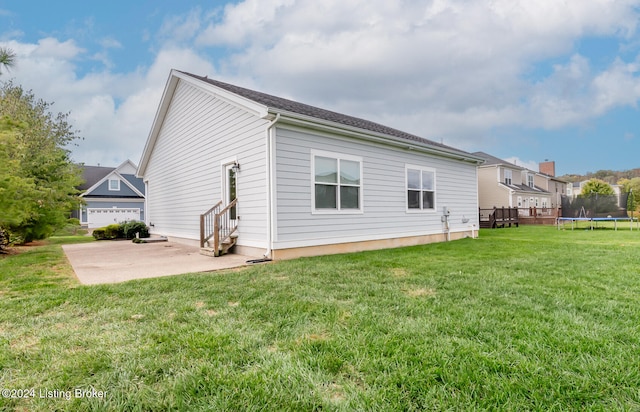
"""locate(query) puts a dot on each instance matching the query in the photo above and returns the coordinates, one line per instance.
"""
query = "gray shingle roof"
(524, 188)
(281, 104)
(93, 174)
(492, 160)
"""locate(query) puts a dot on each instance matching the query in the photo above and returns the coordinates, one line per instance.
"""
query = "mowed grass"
(527, 318)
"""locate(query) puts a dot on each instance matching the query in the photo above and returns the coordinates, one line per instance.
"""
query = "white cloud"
(619, 85)
(110, 43)
(176, 29)
(450, 70)
(527, 164)
(459, 66)
(113, 112)
(53, 48)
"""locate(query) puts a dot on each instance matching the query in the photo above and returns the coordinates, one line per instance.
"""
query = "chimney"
(548, 168)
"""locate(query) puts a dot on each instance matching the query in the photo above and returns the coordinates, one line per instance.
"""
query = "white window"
(507, 177)
(421, 188)
(545, 202)
(337, 182)
(114, 184)
(530, 180)
(537, 201)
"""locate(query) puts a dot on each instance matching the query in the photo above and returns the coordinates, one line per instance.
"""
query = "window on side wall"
(337, 183)
(507, 177)
(421, 188)
(114, 184)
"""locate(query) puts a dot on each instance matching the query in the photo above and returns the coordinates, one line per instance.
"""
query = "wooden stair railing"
(217, 223)
(224, 238)
(207, 225)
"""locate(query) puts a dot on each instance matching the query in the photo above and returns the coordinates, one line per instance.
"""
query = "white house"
(304, 181)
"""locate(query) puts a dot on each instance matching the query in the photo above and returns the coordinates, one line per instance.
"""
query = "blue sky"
(525, 81)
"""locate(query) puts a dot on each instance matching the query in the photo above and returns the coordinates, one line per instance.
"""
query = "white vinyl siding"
(184, 174)
(384, 195)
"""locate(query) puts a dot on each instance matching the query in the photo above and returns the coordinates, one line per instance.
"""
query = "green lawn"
(527, 318)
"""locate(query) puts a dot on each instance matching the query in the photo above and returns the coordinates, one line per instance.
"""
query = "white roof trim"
(172, 82)
(129, 162)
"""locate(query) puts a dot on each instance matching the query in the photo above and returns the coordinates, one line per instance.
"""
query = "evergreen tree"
(7, 58)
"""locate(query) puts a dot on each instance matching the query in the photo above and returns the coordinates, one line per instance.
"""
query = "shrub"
(114, 231)
(131, 228)
(4, 240)
(99, 234)
(125, 230)
(72, 227)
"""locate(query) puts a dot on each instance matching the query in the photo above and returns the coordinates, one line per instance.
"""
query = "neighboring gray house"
(111, 195)
(307, 181)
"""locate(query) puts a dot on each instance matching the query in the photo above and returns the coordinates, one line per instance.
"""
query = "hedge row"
(126, 230)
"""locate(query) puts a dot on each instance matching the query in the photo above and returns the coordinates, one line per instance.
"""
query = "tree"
(631, 186)
(598, 186)
(37, 178)
(598, 198)
(7, 58)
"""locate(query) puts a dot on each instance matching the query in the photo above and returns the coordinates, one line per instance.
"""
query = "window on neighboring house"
(114, 184)
(545, 202)
(507, 176)
(421, 188)
(519, 201)
(530, 180)
(537, 201)
(337, 182)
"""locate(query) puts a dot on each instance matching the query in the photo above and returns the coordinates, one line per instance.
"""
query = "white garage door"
(102, 217)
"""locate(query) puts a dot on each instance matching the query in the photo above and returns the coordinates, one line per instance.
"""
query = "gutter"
(325, 125)
(270, 184)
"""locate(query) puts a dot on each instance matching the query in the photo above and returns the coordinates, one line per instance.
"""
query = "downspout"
(270, 184)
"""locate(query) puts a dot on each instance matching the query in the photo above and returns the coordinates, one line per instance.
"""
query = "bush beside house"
(126, 230)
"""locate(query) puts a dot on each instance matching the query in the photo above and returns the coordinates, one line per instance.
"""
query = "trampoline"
(593, 221)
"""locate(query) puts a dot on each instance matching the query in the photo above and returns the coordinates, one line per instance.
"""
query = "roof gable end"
(113, 174)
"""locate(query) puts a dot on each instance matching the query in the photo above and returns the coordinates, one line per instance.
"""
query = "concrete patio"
(119, 261)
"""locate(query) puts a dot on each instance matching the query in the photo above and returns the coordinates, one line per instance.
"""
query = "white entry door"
(230, 187)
